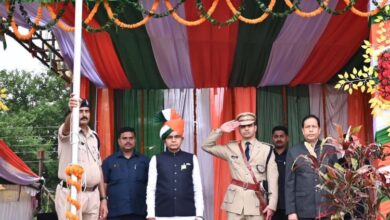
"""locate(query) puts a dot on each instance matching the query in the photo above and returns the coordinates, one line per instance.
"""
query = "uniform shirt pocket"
(116, 173)
(230, 195)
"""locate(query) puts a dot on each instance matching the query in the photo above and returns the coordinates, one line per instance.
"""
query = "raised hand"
(229, 126)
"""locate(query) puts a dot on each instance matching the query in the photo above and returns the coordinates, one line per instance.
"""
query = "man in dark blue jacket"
(126, 176)
(304, 200)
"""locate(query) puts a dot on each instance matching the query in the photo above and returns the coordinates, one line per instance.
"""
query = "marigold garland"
(316, 12)
(68, 28)
(191, 23)
(19, 35)
(367, 14)
(248, 20)
(76, 170)
(129, 26)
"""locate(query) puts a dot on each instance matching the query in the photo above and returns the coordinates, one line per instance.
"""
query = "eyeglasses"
(171, 137)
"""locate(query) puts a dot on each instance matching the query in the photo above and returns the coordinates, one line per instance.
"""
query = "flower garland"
(336, 12)
(77, 171)
(251, 21)
(191, 23)
(139, 7)
(214, 21)
(68, 28)
(384, 75)
(129, 26)
(313, 13)
(20, 36)
(370, 13)
(49, 25)
(278, 14)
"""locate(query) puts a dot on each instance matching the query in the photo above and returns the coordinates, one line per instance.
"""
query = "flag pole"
(76, 91)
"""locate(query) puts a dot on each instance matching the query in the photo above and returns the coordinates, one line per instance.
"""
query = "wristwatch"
(103, 198)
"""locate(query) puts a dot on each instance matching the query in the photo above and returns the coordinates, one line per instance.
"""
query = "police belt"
(84, 188)
(250, 186)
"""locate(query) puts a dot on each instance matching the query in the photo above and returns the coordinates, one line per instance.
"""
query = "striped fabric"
(165, 54)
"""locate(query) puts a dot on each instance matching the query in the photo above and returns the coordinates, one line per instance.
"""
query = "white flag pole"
(76, 91)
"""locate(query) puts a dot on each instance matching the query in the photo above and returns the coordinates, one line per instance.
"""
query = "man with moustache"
(280, 140)
(92, 207)
(251, 162)
(304, 200)
(125, 177)
(174, 188)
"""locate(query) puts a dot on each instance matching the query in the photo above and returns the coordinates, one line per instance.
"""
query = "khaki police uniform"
(89, 159)
(241, 203)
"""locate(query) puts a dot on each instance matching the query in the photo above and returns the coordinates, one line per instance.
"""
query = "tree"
(37, 106)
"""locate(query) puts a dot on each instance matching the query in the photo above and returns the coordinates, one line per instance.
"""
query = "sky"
(16, 57)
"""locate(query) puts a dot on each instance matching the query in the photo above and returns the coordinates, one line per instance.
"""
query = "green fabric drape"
(132, 100)
(153, 103)
(254, 44)
(134, 49)
(298, 106)
(140, 108)
(382, 136)
(269, 102)
(119, 114)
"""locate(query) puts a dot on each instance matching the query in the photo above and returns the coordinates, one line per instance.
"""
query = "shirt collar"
(89, 131)
(119, 153)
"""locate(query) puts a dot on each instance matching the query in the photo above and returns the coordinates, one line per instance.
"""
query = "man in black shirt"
(280, 141)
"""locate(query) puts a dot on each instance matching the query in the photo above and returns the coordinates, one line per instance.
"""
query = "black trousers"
(128, 217)
(280, 214)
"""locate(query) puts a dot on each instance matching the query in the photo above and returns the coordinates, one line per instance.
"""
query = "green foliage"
(37, 105)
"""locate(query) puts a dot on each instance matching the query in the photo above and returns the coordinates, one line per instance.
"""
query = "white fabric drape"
(182, 100)
(336, 108)
(203, 128)
(15, 203)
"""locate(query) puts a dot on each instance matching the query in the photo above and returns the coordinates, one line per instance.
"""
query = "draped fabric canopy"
(162, 54)
(13, 169)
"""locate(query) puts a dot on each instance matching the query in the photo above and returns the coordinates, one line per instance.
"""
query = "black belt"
(84, 188)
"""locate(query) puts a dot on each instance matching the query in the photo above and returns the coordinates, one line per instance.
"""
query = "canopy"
(13, 169)
(290, 50)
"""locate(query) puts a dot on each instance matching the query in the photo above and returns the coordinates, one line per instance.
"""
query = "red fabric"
(84, 88)
(211, 49)
(102, 52)
(225, 104)
(341, 39)
(14, 160)
(105, 121)
(359, 113)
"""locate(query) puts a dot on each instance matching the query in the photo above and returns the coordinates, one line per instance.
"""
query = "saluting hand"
(229, 126)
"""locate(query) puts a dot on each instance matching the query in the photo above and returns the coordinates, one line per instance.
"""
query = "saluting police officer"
(89, 159)
(251, 162)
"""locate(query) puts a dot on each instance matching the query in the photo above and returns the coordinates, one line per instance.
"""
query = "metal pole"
(40, 157)
(76, 91)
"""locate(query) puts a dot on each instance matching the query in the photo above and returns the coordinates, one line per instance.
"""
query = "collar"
(283, 153)
(172, 154)
(119, 153)
(89, 131)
